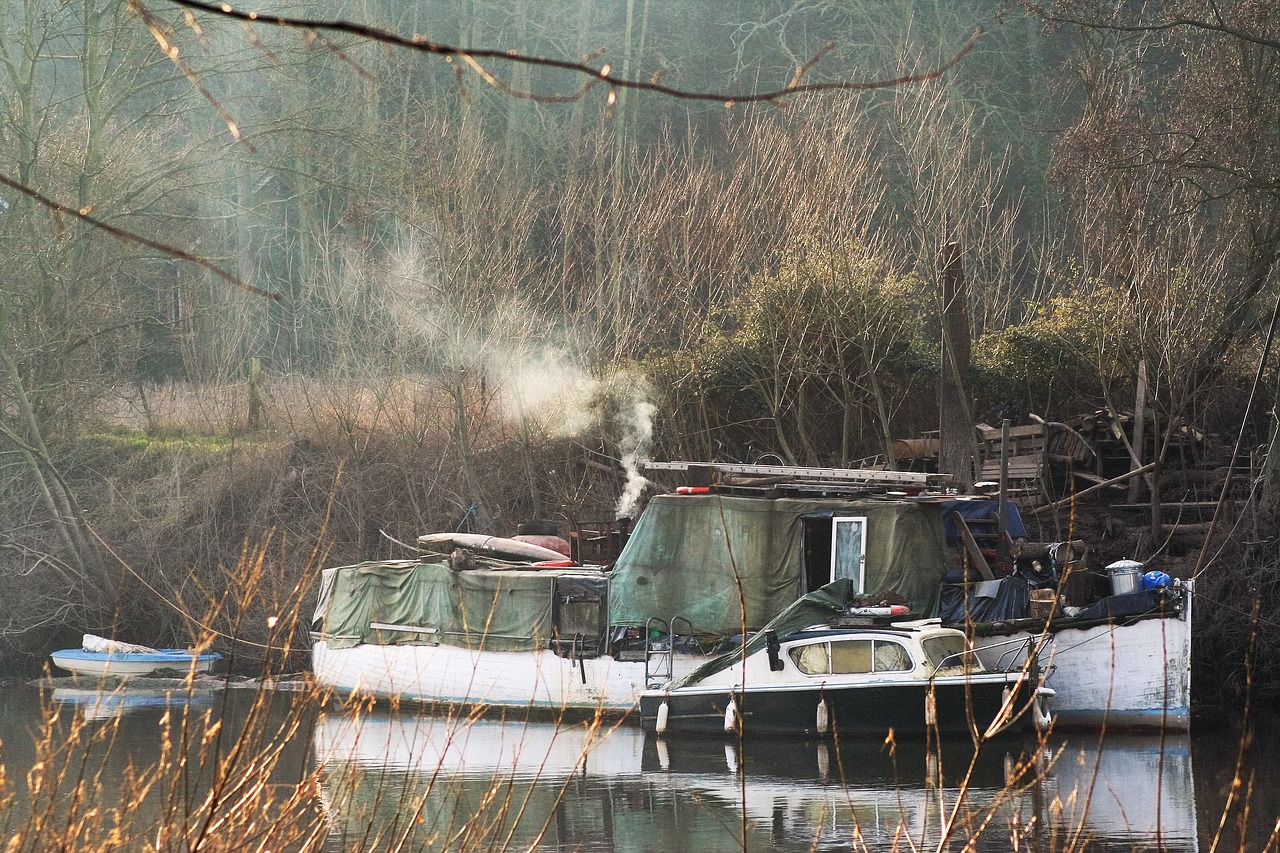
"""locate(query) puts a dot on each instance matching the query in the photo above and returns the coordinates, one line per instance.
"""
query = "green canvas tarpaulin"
(495, 609)
(706, 557)
(816, 608)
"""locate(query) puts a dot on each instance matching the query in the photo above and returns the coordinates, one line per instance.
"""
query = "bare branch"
(60, 209)
(1163, 26)
(597, 75)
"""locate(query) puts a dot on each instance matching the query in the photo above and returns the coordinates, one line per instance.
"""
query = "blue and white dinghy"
(100, 657)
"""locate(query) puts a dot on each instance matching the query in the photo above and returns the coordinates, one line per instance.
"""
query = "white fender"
(731, 715)
(664, 710)
(1043, 719)
(824, 717)
(930, 710)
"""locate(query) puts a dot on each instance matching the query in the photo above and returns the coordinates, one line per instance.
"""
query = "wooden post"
(1139, 432)
(1002, 542)
(956, 440)
(255, 395)
(971, 545)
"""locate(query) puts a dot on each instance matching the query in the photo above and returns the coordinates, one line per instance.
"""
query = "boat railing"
(1013, 653)
(660, 649)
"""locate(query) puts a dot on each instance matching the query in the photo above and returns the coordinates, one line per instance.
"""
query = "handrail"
(655, 674)
(1010, 660)
(1020, 646)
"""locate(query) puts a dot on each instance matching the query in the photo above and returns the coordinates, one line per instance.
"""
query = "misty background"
(481, 291)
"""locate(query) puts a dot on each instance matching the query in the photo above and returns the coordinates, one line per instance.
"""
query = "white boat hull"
(1132, 676)
(1129, 676)
(449, 675)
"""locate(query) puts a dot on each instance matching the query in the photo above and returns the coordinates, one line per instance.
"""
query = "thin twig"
(601, 75)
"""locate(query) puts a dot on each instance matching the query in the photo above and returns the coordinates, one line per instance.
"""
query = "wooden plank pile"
(1110, 434)
(1028, 460)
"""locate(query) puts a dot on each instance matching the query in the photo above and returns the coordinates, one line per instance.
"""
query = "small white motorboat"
(855, 672)
(100, 657)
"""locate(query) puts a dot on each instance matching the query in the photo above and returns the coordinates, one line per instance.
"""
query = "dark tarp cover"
(1127, 604)
(689, 552)
(493, 607)
(988, 601)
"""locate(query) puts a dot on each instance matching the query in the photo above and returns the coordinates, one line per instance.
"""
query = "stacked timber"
(1110, 434)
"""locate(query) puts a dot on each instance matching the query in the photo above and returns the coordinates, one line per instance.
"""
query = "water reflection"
(107, 702)
(400, 781)
(1124, 791)
(445, 783)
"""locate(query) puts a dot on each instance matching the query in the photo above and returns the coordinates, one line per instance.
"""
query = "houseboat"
(709, 564)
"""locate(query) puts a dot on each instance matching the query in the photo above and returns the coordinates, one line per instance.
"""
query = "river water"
(377, 779)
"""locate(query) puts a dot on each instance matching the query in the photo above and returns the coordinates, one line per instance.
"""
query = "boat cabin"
(908, 651)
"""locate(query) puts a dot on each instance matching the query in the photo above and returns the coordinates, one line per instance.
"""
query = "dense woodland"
(278, 296)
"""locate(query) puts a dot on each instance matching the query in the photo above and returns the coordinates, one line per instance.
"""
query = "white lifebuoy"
(664, 710)
(731, 715)
(824, 717)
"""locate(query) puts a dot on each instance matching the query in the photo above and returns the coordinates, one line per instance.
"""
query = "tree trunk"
(956, 442)
(462, 437)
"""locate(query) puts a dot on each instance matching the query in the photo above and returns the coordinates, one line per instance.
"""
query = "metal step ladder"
(660, 649)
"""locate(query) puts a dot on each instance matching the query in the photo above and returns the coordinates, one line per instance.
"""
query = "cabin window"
(850, 657)
(891, 657)
(812, 659)
(849, 550)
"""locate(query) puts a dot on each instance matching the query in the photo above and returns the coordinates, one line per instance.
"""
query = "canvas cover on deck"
(498, 609)
(689, 554)
(816, 608)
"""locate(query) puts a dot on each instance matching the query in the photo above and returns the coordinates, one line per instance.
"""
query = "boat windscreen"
(948, 654)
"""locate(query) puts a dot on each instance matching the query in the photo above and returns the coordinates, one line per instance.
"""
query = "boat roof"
(807, 480)
(915, 629)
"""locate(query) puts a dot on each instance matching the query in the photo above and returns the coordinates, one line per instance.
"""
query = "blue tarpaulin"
(979, 513)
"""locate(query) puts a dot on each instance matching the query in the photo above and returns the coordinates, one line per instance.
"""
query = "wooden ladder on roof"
(710, 473)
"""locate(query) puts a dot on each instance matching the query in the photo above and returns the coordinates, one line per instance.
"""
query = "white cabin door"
(849, 550)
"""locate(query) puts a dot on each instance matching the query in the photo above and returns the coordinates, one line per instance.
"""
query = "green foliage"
(1065, 356)
(814, 356)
